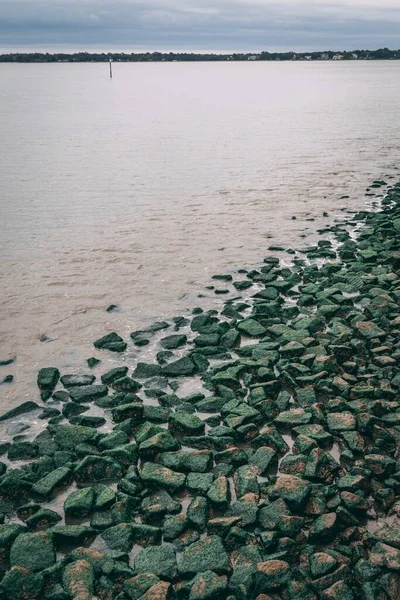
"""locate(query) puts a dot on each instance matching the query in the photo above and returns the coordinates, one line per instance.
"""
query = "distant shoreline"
(84, 57)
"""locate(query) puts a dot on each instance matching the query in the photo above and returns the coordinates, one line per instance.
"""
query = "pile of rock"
(263, 483)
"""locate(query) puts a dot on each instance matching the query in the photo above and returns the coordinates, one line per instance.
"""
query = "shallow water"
(135, 191)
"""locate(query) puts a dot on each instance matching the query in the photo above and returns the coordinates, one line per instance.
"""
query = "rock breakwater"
(256, 456)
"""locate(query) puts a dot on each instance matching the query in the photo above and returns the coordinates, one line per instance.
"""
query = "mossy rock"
(380, 464)
(245, 509)
(52, 482)
(207, 339)
(369, 330)
(20, 583)
(156, 414)
(263, 459)
(136, 586)
(15, 484)
(133, 410)
(48, 378)
(158, 505)
(389, 536)
(186, 424)
(208, 586)
(315, 432)
(324, 527)
(24, 408)
(104, 497)
(172, 342)
(88, 393)
(113, 440)
(338, 591)
(146, 371)
(98, 468)
(251, 328)
(198, 461)
(43, 519)
(23, 451)
(158, 443)
(343, 421)
(204, 555)
(125, 455)
(8, 533)
(183, 367)
(33, 551)
(245, 481)
(162, 477)
(321, 564)
(102, 520)
(68, 437)
(146, 535)
(162, 590)
(271, 515)
(272, 575)
(294, 417)
(79, 503)
(112, 341)
(293, 490)
(78, 580)
(220, 526)
(72, 534)
(174, 526)
(119, 537)
(199, 483)
(88, 421)
(219, 492)
(230, 339)
(126, 384)
(158, 560)
(146, 431)
(197, 512)
(110, 376)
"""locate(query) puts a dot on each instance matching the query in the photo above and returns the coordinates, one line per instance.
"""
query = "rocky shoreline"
(266, 481)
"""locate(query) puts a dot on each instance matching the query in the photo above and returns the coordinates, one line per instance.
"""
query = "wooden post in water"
(110, 61)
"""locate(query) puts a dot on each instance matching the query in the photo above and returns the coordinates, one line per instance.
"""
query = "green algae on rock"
(33, 551)
(204, 555)
(48, 378)
(111, 341)
(160, 561)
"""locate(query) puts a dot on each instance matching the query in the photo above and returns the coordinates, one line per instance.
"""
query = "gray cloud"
(199, 24)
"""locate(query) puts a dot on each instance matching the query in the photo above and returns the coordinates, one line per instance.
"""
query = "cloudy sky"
(198, 25)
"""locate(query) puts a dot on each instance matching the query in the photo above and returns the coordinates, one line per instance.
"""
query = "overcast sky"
(198, 25)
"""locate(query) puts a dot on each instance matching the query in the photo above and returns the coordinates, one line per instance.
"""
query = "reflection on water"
(135, 191)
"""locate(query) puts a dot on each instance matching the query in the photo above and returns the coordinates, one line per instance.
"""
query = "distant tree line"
(80, 57)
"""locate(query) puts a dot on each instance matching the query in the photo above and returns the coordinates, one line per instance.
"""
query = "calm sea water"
(134, 191)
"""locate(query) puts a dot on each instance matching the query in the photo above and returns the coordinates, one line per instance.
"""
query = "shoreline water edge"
(256, 456)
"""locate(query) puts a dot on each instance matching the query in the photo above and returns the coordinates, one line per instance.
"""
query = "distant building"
(325, 56)
(338, 57)
(252, 57)
(308, 57)
(354, 56)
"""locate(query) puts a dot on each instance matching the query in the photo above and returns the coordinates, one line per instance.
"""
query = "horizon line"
(192, 52)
